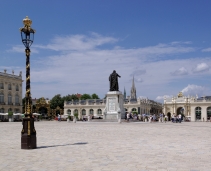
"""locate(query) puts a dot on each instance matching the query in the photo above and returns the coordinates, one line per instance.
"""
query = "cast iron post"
(28, 133)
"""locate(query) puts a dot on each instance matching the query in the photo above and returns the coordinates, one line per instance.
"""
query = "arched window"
(16, 99)
(1, 85)
(69, 111)
(2, 110)
(91, 111)
(125, 110)
(83, 112)
(99, 111)
(9, 87)
(76, 111)
(198, 113)
(1, 98)
(134, 109)
(208, 113)
(9, 99)
(10, 110)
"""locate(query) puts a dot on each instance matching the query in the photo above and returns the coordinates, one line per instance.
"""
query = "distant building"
(124, 93)
(10, 92)
(197, 109)
(96, 107)
(133, 90)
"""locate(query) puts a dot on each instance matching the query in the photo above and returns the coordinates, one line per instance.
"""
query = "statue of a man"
(113, 78)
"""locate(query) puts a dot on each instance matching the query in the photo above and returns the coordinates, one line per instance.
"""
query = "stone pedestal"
(114, 109)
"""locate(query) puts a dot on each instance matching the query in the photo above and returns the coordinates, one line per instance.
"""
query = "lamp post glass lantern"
(28, 133)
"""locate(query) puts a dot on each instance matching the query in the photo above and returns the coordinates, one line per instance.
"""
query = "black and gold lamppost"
(28, 133)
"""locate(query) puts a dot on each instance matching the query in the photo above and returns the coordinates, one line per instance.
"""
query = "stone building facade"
(10, 92)
(197, 109)
(96, 107)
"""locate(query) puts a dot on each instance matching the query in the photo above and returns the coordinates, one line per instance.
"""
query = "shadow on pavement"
(79, 143)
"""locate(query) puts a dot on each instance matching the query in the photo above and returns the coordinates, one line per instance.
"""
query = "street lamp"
(28, 133)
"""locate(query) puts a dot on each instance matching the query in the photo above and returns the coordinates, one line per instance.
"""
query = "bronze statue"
(113, 78)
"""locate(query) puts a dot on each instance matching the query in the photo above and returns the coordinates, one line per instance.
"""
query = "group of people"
(130, 115)
(176, 118)
(151, 118)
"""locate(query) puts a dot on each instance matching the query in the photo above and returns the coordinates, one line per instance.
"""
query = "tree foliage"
(85, 96)
(95, 96)
(57, 100)
(67, 98)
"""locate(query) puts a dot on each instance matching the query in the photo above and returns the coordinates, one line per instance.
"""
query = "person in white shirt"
(128, 116)
(59, 118)
(180, 118)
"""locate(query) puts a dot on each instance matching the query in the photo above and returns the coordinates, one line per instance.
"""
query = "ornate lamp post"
(28, 133)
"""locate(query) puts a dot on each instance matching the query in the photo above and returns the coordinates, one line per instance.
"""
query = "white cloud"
(201, 68)
(77, 42)
(192, 89)
(159, 98)
(83, 65)
(21, 49)
(138, 72)
(181, 42)
(206, 50)
(180, 71)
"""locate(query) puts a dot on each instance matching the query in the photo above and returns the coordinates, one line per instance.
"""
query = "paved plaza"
(107, 146)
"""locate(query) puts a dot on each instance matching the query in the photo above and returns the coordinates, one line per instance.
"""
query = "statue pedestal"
(114, 110)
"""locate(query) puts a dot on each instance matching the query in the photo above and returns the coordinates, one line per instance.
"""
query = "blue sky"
(165, 44)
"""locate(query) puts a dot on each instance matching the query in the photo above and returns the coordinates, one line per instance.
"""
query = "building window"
(75, 111)
(208, 113)
(9, 110)
(9, 87)
(91, 111)
(134, 109)
(17, 88)
(1, 85)
(1, 98)
(198, 113)
(99, 111)
(16, 100)
(69, 111)
(9, 99)
(83, 112)
(2, 110)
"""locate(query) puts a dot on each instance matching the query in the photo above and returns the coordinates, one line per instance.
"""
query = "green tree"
(74, 97)
(57, 100)
(85, 96)
(95, 96)
(67, 98)
(10, 114)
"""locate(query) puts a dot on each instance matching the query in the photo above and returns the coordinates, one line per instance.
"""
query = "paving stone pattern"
(106, 146)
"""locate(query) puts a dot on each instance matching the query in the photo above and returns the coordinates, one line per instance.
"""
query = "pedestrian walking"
(59, 117)
(128, 117)
(180, 118)
(165, 118)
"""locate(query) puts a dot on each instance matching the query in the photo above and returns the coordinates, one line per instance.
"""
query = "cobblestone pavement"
(104, 146)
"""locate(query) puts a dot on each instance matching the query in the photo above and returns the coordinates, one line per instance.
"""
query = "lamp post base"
(28, 134)
(28, 142)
